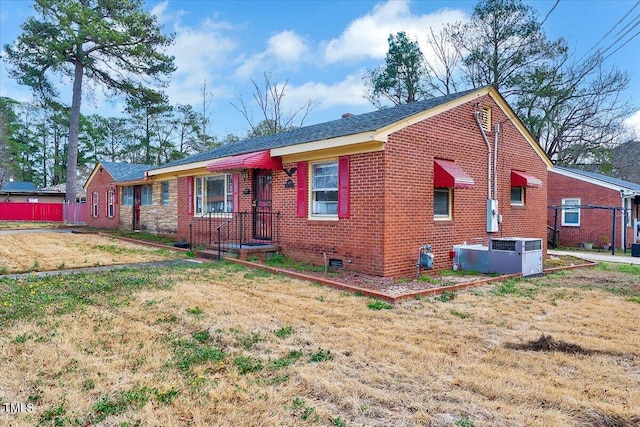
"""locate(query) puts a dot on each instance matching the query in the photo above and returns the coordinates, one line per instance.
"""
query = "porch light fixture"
(246, 191)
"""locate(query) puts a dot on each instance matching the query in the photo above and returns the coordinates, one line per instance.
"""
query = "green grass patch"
(281, 261)
(247, 364)
(188, 353)
(284, 332)
(446, 296)
(377, 304)
(459, 314)
(320, 356)
(33, 296)
(285, 361)
(196, 311)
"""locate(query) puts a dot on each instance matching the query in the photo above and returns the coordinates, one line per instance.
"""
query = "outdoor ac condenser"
(515, 255)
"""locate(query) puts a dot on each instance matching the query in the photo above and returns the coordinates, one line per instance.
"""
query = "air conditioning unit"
(515, 255)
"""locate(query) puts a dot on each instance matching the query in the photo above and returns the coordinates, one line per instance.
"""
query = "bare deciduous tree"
(269, 96)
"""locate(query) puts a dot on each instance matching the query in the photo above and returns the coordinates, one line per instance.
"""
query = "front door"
(262, 219)
(137, 201)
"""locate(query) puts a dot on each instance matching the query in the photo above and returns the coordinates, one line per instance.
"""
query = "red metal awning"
(448, 174)
(523, 179)
(255, 160)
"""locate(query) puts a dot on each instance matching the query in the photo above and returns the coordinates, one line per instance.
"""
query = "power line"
(549, 13)
(614, 27)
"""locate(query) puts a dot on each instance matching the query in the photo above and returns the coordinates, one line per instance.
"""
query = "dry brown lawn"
(46, 251)
(222, 345)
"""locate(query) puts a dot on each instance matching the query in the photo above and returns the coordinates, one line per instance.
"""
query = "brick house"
(110, 192)
(367, 191)
(590, 200)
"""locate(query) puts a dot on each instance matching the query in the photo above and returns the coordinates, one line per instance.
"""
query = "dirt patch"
(547, 343)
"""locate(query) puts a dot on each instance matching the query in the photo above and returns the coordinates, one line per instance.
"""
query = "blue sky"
(322, 48)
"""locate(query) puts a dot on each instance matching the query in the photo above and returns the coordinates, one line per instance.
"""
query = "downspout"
(476, 114)
(495, 161)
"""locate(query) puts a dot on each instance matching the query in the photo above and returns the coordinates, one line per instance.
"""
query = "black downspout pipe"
(613, 233)
(555, 229)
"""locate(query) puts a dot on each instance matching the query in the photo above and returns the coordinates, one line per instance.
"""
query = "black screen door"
(262, 219)
(137, 201)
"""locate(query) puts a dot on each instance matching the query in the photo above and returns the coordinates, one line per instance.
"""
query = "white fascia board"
(590, 180)
(182, 168)
(324, 144)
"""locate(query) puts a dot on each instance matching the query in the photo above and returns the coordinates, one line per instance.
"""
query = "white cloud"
(287, 46)
(201, 54)
(346, 94)
(633, 123)
(366, 37)
(283, 49)
(160, 12)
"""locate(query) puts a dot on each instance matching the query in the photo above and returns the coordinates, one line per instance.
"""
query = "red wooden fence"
(24, 211)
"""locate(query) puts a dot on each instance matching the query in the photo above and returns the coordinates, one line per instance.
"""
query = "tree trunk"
(74, 122)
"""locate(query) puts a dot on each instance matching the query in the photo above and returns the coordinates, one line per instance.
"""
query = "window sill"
(443, 221)
(323, 218)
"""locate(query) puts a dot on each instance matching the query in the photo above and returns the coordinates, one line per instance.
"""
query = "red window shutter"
(236, 187)
(302, 203)
(116, 195)
(189, 194)
(343, 187)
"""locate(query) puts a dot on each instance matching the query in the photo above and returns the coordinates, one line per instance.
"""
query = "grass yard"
(46, 251)
(218, 344)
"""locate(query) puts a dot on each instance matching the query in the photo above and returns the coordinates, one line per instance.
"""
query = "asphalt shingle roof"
(126, 171)
(604, 178)
(337, 128)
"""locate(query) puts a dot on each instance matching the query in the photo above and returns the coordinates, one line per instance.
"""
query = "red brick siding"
(454, 135)
(356, 240)
(595, 224)
(391, 198)
(101, 183)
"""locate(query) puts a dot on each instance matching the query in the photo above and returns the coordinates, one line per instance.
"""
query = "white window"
(571, 215)
(442, 203)
(110, 205)
(213, 194)
(147, 195)
(517, 196)
(94, 203)
(127, 196)
(324, 188)
(165, 193)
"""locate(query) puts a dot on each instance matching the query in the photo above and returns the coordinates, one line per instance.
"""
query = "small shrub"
(379, 305)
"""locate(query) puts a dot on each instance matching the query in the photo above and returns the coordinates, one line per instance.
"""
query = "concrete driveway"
(599, 256)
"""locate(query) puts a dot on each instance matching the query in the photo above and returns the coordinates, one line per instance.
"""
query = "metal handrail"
(233, 229)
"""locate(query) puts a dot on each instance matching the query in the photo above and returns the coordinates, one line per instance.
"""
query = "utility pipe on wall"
(495, 161)
(476, 114)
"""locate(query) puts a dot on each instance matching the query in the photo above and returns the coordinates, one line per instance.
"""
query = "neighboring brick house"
(108, 205)
(367, 191)
(589, 200)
